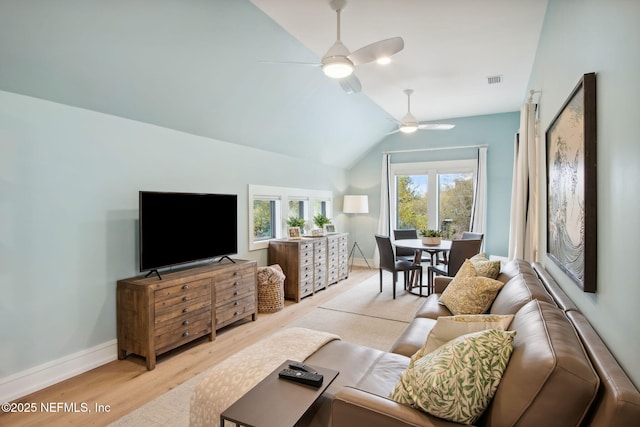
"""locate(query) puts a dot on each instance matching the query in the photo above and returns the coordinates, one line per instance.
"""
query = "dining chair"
(459, 252)
(407, 254)
(388, 262)
(466, 235)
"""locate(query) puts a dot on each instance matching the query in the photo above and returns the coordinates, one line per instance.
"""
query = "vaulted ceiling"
(207, 67)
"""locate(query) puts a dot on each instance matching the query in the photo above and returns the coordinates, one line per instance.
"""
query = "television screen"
(177, 228)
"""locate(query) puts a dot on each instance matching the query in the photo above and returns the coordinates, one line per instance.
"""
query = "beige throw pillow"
(448, 328)
(484, 267)
(458, 380)
(469, 294)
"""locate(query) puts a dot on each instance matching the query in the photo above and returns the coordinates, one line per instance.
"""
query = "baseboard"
(39, 377)
(361, 262)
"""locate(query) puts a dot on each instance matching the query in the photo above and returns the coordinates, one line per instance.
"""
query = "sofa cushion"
(432, 309)
(457, 381)
(515, 267)
(518, 291)
(413, 337)
(468, 293)
(485, 267)
(548, 367)
(448, 328)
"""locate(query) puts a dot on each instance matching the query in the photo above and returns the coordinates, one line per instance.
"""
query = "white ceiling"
(451, 47)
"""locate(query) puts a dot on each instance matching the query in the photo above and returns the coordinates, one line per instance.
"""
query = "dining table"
(419, 246)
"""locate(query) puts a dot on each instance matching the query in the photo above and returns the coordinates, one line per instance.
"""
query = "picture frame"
(329, 228)
(572, 186)
(293, 233)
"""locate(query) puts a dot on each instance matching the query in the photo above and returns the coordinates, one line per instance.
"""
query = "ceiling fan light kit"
(335, 63)
(409, 124)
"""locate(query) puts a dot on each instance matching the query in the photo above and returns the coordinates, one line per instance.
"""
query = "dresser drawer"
(244, 271)
(235, 292)
(172, 304)
(170, 296)
(235, 310)
(177, 333)
(306, 287)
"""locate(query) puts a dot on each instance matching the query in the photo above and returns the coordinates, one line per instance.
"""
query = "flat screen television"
(179, 228)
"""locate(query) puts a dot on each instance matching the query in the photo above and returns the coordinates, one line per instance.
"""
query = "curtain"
(384, 223)
(479, 209)
(523, 227)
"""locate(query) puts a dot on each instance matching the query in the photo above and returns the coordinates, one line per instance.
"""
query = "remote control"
(301, 377)
(299, 366)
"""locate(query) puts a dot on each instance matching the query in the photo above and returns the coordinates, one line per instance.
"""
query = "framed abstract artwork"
(571, 186)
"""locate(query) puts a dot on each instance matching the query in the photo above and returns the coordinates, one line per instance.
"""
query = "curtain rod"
(436, 149)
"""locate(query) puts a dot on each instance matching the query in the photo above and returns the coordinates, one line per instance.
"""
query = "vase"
(432, 241)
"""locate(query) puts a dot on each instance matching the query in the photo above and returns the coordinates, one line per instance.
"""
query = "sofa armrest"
(440, 283)
(352, 406)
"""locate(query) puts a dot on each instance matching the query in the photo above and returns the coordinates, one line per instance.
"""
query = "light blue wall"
(69, 182)
(496, 130)
(582, 36)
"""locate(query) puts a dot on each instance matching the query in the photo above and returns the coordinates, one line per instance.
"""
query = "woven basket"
(270, 289)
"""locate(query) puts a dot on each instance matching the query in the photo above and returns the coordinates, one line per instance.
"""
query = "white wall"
(69, 182)
(578, 37)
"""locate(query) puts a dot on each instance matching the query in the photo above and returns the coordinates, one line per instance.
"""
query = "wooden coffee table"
(275, 402)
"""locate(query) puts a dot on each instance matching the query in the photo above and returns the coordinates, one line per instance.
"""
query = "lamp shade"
(355, 204)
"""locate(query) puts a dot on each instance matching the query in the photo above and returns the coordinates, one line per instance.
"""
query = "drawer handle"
(236, 313)
(185, 323)
(185, 310)
(236, 293)
(236, 303)
(185, 287)
(185, 299)
(235, 273)
(185, 334)
(235, 283)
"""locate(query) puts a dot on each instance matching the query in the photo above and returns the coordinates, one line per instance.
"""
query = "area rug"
(366, 299)
(361, 315)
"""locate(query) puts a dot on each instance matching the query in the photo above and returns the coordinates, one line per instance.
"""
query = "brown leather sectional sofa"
(560, 372)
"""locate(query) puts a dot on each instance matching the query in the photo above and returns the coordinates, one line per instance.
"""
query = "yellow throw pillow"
(448, 328)
(484, 267)
(469, 294)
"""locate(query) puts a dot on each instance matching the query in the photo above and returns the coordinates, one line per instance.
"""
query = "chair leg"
(380, 280)
(395, 279)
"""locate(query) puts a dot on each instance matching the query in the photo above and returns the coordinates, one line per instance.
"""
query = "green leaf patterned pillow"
(451, 327)
(485, 267)
(457, 381)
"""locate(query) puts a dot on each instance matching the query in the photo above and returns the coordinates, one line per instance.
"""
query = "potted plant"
(431, 237)
(320, 220)
(292, 221)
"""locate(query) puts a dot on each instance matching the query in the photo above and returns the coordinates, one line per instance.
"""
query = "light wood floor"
(125, 385)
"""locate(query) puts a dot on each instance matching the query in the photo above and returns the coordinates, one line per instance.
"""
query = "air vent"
(493, 80)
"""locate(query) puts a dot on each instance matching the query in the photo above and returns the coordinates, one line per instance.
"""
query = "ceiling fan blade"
(384, 48)
(435, 126)
(351, 84)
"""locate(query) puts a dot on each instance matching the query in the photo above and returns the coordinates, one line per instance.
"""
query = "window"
(270, 207)
(265, 218)
(436, 195)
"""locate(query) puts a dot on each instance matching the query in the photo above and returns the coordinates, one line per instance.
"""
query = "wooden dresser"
(310, 264)
(155, 316)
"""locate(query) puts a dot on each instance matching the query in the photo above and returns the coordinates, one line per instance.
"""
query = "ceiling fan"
(409, 124)
(338, 63)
